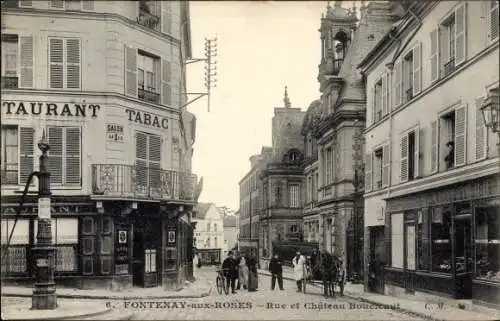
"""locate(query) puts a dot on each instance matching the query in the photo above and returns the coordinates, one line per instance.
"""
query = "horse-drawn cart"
(325, 271)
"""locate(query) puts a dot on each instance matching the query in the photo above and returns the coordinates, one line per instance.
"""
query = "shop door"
(410, 257)
(376, 266)
(145, 254)
(463, 260)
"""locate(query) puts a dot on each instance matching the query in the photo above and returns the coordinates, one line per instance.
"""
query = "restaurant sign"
(50, 109)
(54, 209)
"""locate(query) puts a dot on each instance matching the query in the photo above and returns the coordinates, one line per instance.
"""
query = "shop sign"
(50, 109)
(54, 209)
(114, 133)
(147, 119)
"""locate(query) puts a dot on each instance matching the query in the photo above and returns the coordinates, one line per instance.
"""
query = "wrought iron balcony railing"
(147, 95)
(10, 83)
(142, 182)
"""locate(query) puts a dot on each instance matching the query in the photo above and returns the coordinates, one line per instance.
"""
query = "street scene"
(250, 160)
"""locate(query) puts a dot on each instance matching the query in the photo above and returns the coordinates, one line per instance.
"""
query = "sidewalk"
(423, 309)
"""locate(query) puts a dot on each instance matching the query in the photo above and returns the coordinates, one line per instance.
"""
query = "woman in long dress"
(243, 273)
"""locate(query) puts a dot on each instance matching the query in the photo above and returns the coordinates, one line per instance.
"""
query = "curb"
(360, 298)
(114, 297)
(77, 316)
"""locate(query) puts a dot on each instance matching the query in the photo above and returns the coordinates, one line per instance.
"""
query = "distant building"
(209, 230)
(231, 231)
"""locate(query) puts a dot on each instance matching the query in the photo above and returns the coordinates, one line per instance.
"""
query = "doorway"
(147, 243)
(376, 260)
(410, 257)
(463, 262)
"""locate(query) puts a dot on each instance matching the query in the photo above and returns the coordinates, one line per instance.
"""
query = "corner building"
(432, 167)
(104, 80)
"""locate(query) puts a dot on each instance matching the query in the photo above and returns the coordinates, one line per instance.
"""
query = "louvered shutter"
(27, 150)
(417, 69)
(481, 133)
(157, 68)
(460, 136)
(416, 156)
(88, 5)
(372, 105)
(434, 55)
(460, 33)
(404, 158)
(26, 61)
(56, 4)
(56, 61)
(444, 52)
(72, 155)
(166, 17)
(73, 63)
(141, 155)
(385, 165)
(434, 146)
(154, 159)
(55, 153)
(166, 83)
(130, 71)
(368, 172)
(493, 20)
(383, 94)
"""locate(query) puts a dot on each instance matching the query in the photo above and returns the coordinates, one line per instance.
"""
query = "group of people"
(240, 272)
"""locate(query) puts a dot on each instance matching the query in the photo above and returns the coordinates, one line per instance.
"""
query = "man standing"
(276, 269)
(299, 262)
(230, 268)
(341, 277)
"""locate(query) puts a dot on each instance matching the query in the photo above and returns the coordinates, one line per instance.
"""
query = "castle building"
(104, 80)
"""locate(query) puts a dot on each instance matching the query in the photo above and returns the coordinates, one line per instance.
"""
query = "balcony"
(146, 18)
(147, 95)
(9, 83)
(139, 182)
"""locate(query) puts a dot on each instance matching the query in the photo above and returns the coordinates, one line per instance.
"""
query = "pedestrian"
(299, 262)
(341, 277)
(276, 269)
(230, 270)
(253, 280)
(243, 273)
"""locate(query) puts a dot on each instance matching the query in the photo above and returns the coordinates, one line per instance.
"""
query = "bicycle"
(221, 282)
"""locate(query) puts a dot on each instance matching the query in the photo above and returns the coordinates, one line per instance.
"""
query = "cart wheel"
(219, 283)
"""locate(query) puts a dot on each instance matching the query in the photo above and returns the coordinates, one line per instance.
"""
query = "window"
(148, 160)
(216, 243)
(215, 227)
(294, 195)
(17, 154)
(315, 186)
(309, 188)
(74, 5)
(410, 155)
(441, 239)
(64, 63)
(408, 77)
(64, 161)
(208, 245)
(208, 227)
(448, 37)
(294, 228)
(329, 166)
(397, 239)
(487, 243)
(17, 61)
(377, 168)
(493, 20)
(17, 253)
(423, 240)
(380, 98)
(148, 70)
(451, 135)
(452, 41)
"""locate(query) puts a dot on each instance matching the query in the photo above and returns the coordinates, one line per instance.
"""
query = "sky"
(262, 46)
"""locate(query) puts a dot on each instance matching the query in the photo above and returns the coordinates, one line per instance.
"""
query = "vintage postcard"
(250, 160)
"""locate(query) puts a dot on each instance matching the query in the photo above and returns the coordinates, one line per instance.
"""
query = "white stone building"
(209, 231)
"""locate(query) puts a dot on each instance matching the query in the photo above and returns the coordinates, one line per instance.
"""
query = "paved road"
(261, 305)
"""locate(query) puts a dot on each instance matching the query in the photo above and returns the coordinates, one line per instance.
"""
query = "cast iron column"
(44, 291)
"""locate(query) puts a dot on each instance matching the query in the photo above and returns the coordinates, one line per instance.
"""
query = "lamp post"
(491, 112)
(44, 291)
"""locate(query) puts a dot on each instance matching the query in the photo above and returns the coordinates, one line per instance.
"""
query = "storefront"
(446, 241)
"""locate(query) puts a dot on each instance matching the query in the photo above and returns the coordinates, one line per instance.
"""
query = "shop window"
(397, 240)
(15, 259)
(488, 243)
(150, 260)
(441, 239)
(423, 240)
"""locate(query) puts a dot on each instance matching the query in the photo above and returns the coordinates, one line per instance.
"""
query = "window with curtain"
(15, 260)
(441, 239)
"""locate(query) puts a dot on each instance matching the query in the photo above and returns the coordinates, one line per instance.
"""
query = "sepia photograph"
(250, 160)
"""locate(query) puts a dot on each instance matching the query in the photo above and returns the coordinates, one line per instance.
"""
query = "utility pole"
(210, 71)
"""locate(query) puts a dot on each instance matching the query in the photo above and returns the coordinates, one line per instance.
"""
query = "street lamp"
(491, 111)
(44, 291)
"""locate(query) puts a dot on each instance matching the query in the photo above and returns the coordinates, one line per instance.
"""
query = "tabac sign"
(49, 109)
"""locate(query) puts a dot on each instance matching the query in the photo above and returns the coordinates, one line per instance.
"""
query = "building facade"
(231, 231)
(209, 231)
(250, 237)
(282, 181)
(432, 167)
(333, 214)
(104, 81)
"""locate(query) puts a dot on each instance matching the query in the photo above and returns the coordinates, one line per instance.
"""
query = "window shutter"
(166, 17)
(417, 153)
(157, 68)
(55, 161)
(481, 133)
(385, 165)
(460, 33)
(493, 20)
(368, 172)
(434, 56)
(73, 63)
(397, 85)
(88, 5)
(384, 94)
(154, 149)
(72, 155)
(460, 136)
(26, 61)
(165, 84)
(130, 71)
(417, 68)
(141, 154)
(56, 61)
(56, 4)
(27, 150)
(444, 53)
(404, 158)
(434, 146)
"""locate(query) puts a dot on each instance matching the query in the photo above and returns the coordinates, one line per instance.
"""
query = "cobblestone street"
(261, 305)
